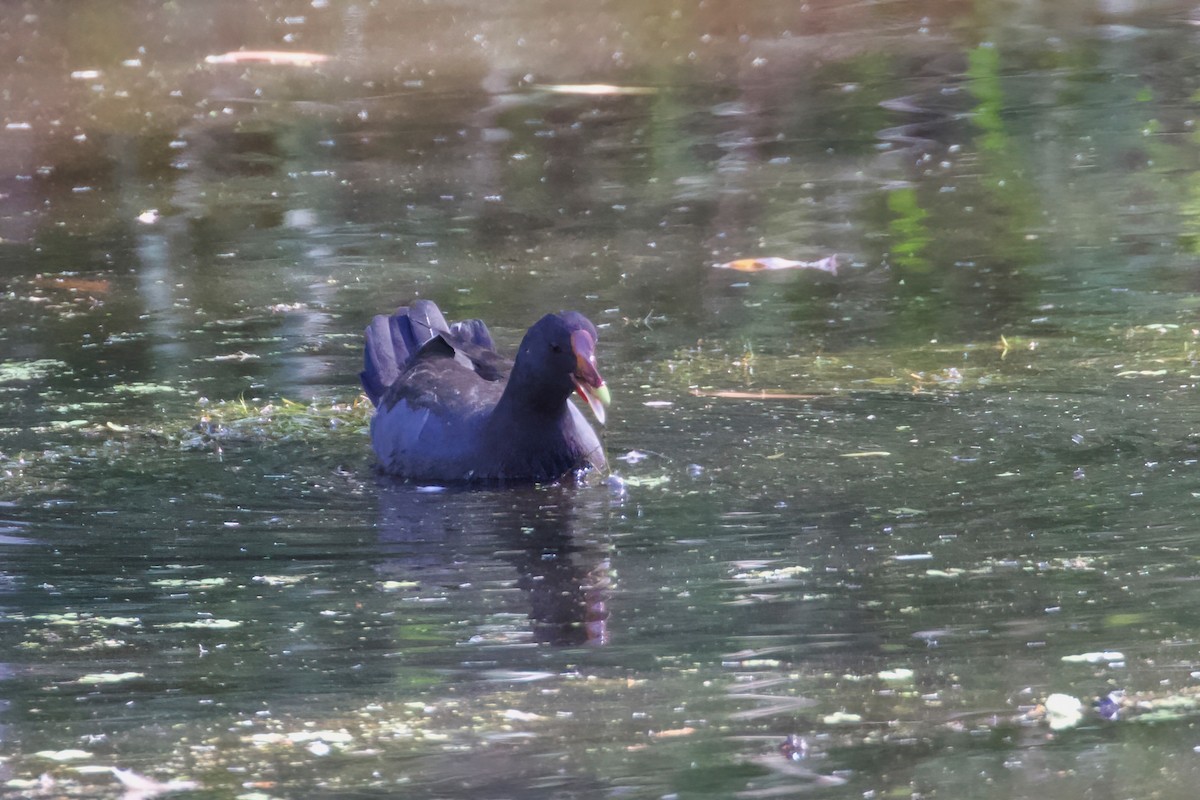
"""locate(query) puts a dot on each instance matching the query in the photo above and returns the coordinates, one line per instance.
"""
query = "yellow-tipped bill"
(588, 382)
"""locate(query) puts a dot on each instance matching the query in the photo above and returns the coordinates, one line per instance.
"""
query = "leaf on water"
(673, 733)
(595, 89)
(842, 718)
(97, 678)
(278, 58)
(265, 739)
(762, 394)
(772, 575)
(395, 586)
(145, 388)
(900, 675)
(648, 482)
(181, 583)
(772, 263)
(213, 624)
(72, 283)
(329, 737)
(867, 454)
(240, 355)
(1103, 657)
(521, 716)
(63, 755)
(278, 580)
(139, 786)
(74, 619)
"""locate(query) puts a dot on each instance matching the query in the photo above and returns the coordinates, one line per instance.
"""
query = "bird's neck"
(526, 400)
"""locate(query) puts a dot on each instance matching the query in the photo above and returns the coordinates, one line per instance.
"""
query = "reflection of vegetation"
(1189, 210)
(1014, 200)
(910, 234)
(983, 76)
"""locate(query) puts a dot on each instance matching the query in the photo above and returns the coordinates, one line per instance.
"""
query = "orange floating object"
(771, 263)
(71, 283)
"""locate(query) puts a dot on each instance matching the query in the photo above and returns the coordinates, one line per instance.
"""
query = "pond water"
(868, 534)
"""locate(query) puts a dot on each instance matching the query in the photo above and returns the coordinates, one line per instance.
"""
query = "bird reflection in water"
(452, 537)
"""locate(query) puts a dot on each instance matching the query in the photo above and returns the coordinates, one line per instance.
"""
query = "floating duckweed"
(25, 371)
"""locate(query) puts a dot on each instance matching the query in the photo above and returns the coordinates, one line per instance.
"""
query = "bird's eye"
(557, 348)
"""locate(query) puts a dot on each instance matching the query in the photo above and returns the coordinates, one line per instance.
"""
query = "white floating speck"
(1063, 711)
(1099, 657)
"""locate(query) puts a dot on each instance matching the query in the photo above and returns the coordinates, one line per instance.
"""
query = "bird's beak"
(587, 379)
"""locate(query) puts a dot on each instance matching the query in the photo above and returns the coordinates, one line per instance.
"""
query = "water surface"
(887, 512)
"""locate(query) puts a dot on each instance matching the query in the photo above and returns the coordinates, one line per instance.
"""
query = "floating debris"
(762, 394)
(595, 89)
(1063, 711)
(272, 57)
(1102, 657)
(139, 787)
(240, 355)
(73, 283)
(63, 755)
(1109, 706)
(773, 264)
(97, 678)
(205, 624)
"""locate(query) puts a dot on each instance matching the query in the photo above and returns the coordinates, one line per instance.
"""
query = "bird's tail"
(393, 341)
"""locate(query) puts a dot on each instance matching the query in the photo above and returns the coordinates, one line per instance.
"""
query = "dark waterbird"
(449, 408)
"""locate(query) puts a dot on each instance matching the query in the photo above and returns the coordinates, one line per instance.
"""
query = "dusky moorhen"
(449, 408)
